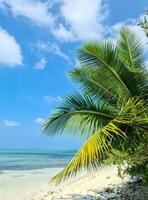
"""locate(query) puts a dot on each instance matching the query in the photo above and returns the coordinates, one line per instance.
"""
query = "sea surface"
(32, 159)
(25, 174)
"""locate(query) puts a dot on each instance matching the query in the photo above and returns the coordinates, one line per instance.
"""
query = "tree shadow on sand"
(132, 190)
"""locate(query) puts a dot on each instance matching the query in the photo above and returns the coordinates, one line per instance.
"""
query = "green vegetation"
(134, 163)
(110, 110)
(144, 23)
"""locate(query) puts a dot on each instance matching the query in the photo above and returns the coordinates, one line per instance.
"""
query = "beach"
(24, 175)
(24, 185)
(101, 185)
(34, 184)
(88, 186)
(104, 184)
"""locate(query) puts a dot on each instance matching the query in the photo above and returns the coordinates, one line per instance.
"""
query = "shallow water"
(24, 173)
(33, 159)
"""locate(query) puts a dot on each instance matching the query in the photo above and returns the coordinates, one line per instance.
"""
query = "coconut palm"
(144, 23)
(111, 109)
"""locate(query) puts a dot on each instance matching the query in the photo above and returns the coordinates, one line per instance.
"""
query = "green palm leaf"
(88, 80)
(107, 70)
(79, 115)
(135, 114)
(92, 151)
(130, 49)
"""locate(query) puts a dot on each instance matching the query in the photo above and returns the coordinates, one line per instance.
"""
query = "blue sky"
(39, 42)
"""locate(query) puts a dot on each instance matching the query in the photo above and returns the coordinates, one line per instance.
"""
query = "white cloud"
(39, 120)
(51, 48)
(73, 20)
(11, 123)
(36, 11)
(83, 18)
(61, 32)
(10, 51)
(41, 64)
(51, 100)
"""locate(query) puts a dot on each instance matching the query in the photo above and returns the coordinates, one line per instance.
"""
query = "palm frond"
(90, 84)
(142, 83)
(135, 114)
(79, 115)
(93, 150)
(107, 68)
(137, 83)
(144, 23)
(130, 49)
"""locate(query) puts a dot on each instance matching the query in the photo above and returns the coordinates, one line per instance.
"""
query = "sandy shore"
(24, 185)
(34, 185)
(86, 187)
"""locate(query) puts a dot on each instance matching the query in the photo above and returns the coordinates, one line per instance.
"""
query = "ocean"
(32, 159)
(25, 173)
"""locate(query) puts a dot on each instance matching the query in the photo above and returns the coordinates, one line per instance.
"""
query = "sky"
(39, 41)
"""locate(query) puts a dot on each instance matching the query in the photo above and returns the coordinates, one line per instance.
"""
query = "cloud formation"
(41, 64)
(73, 20)
(39, 121)
(51, 100)
(35, 11)
(83, 19)
(51, 48)
(10, 51)
(11, 123)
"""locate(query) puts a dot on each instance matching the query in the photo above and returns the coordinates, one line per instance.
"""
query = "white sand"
(86, 187)
(34, 185)
(23, 185)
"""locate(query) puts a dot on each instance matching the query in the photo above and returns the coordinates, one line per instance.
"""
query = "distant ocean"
(33, 159)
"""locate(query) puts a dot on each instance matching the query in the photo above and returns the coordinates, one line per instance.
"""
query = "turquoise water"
(33, 159)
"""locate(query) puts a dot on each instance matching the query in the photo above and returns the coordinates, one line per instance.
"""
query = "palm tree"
(144, 23)
(111, 109)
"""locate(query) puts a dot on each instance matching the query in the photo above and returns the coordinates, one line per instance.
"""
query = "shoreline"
(23, 184)
(101, 185)
(88, 186)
